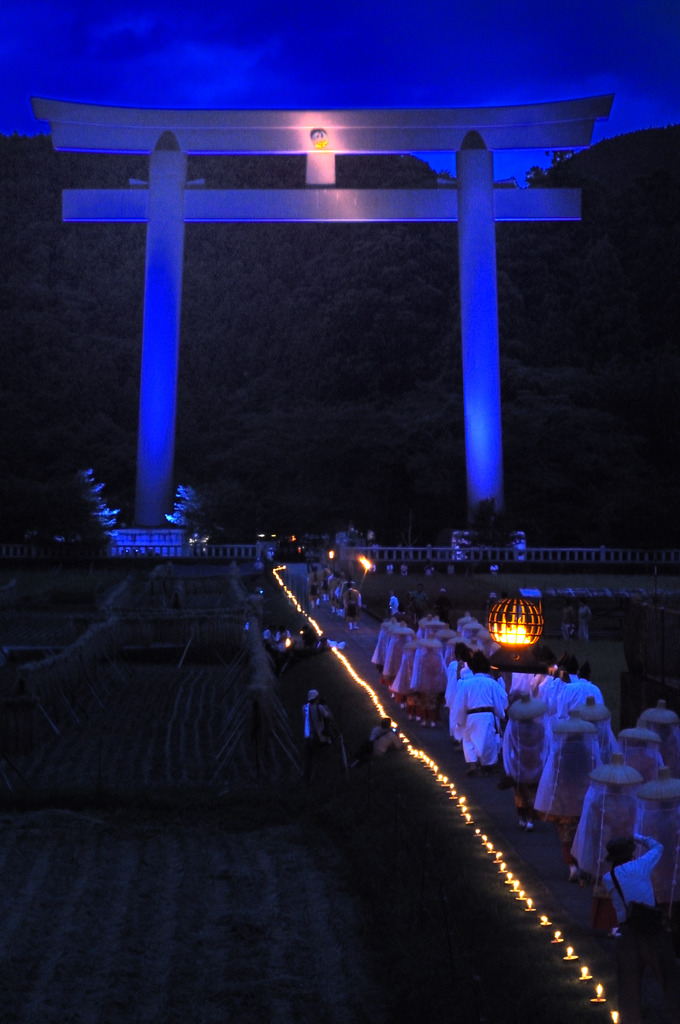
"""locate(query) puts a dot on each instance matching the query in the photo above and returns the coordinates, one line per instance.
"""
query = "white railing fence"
(381, 556)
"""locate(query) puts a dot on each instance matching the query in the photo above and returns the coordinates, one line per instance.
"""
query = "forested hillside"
(320, 376)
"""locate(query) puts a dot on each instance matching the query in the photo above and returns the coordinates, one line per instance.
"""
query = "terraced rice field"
(163, 905)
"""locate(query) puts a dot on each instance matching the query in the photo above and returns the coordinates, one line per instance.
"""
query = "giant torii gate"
(169, 136)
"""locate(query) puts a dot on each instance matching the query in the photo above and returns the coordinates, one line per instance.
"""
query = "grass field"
(61, 590)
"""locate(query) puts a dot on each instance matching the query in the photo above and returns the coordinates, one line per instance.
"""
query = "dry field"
(134, 891)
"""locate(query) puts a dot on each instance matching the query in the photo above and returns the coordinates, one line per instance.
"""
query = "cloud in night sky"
(313, 55)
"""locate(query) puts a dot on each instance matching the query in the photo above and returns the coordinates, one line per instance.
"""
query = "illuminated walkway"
(540, 850)
(536, 857)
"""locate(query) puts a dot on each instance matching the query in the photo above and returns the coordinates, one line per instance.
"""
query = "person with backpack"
(644, 941)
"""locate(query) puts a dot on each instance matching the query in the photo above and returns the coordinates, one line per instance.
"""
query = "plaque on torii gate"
(169, 136)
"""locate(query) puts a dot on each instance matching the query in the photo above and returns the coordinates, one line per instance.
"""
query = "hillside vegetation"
(320, 377)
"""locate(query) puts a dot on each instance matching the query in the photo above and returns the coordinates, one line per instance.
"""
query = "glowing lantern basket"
(516, 622)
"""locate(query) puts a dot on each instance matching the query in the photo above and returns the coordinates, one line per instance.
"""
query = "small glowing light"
(502, 866)
(499, 855)
(558, 937)
(545, 921)
(571, 955)
(615, 1016)
(530, 905)
(598, 998)
(585, 974)
(520, 895)
(489, 847)
(468, 819)
(485, 839)
(508, 878)
(515, 885)
(319, 137)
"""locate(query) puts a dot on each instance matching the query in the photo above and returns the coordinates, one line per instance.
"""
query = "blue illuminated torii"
(169, 136)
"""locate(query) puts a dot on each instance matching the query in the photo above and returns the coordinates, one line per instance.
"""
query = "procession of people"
(546, 736)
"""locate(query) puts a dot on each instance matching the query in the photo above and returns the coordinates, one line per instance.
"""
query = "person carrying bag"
(642, 917)
(643, 943)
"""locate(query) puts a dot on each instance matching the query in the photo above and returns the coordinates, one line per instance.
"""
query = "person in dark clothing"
(443, 605)
(317, 721)
(629, 882)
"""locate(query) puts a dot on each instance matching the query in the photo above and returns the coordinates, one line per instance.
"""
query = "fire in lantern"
(516, 621)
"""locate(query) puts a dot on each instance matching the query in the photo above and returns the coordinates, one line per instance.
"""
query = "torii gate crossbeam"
(167, 204)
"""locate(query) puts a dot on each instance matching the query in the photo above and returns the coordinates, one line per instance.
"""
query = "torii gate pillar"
(479, 322)
(160, 340)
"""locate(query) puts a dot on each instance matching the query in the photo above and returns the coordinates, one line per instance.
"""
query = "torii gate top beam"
(564, 124)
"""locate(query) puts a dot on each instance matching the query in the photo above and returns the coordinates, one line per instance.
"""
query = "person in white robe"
(526, 742)
(479, 709)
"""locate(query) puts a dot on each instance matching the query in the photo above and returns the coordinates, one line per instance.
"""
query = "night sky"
(348, 54)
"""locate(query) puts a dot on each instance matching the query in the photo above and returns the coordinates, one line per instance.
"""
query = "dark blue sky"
(344, 54)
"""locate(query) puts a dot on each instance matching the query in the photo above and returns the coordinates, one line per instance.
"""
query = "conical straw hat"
(663, 788)
(527, 707)
(661, 714)
(638, 733)
(616, 772)
(592, 711)
(573, 724)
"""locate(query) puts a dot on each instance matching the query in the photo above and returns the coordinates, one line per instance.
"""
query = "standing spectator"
(443, 606)
(421, 602)
(568, 621)
(629, 882)
(584, 616)
(316, 724)
(314, 587)
(352, 602)
(325, 584)
(393, 604)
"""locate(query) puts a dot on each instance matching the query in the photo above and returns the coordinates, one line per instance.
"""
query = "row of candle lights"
(513, 883)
